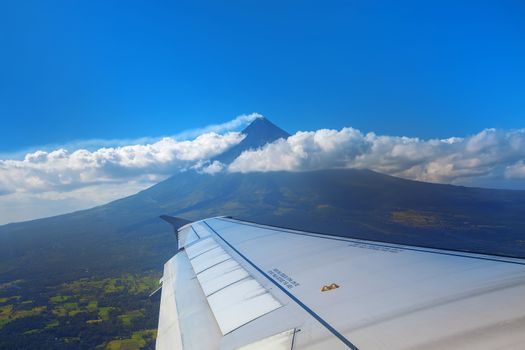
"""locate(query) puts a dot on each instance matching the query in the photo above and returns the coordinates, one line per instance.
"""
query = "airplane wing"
(241, 285)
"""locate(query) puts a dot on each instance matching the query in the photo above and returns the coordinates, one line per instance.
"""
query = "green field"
(103, 313)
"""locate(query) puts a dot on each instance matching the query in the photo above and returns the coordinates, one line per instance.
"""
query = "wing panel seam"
(293, 297)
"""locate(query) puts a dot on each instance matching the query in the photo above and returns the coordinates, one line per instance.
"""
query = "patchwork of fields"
(103, 313)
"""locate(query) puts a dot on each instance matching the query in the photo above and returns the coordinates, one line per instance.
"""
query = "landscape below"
(83, 313)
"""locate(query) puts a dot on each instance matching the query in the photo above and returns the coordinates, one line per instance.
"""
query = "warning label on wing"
(283, 278)
(375, 247)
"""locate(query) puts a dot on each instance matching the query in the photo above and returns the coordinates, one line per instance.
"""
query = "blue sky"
(72, 70)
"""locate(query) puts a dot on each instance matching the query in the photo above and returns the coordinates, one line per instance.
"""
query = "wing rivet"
(329, 287)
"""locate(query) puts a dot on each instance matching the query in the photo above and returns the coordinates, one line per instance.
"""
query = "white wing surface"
(240, 285)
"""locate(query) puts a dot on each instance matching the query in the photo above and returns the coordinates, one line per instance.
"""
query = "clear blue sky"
(73, 70)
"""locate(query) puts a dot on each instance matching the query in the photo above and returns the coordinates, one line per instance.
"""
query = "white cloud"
(488, 155)
(304, 151)
(233, 124)
(43, 181)
(207, 167)
(61, 170)
(516, 170)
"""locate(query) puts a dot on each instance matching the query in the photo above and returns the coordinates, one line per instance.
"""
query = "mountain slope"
(355, 203)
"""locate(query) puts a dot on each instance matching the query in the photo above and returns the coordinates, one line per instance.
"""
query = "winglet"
(176, 223)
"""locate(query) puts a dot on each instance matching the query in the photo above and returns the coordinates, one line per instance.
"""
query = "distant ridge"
(260, 132)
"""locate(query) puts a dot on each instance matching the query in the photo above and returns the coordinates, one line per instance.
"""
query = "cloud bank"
(60, 169)
(492, 155)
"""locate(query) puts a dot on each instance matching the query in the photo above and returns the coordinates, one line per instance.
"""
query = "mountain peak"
(265, 129)
(260, 132)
